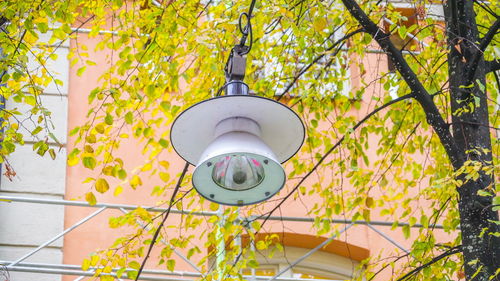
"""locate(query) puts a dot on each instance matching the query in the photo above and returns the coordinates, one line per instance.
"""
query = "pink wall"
(97, 235)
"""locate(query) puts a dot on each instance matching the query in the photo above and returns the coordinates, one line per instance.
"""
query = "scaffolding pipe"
(179, 254)
(86, 273)
(91, 269)
(57, 237)
(199, 213)
(152, 278)
(388, 239)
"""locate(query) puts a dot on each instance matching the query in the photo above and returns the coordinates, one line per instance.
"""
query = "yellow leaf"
(93, 260)
(319, 24)
(99, 128)
(118, 190)
(80, 70)
(108, 170)
(135, 181)
(164, 164)
(370, 203)
(52, 154)
(101, 185)
(90, 138)
(73, 160)
(164, 176)
(85, 264)
(214, 206)
(90, 198)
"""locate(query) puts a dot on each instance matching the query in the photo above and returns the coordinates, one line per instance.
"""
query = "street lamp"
(237, 141)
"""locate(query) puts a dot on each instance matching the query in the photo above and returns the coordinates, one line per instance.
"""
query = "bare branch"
(432, 113)
(449, 252)
(491, 66)
(485, 41)
(375, 111)
(306, 68)
(157, 232)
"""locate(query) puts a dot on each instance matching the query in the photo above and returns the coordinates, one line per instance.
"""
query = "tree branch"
(306, 68)
(449, 252)
(157, 232)
(485, 41)
(493, 65)
(432, 113)
(375, 111)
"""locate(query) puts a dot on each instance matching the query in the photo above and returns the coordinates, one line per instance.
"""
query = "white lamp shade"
(237, 143)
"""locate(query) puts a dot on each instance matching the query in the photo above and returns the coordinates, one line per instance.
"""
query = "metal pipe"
(197, 213)
(86, 273)
(388, 238)
(97, 205)
(263, 278)
(221, 246)
(175, 250)
(57, 237)
(312, 251)
(78, 267)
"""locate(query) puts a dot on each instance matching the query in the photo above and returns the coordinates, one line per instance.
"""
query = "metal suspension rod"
(56, 237)
(388, 239)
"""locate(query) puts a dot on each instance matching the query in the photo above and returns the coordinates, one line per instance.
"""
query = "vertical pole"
(221, 246)
(2, 98)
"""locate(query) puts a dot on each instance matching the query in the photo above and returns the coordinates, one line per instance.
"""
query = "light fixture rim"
(190, 109)
(228, 191)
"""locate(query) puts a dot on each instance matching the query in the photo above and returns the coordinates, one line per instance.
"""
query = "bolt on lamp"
(237, 141)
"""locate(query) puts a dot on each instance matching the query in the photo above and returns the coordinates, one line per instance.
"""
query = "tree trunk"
(471, 136)
(466, 67)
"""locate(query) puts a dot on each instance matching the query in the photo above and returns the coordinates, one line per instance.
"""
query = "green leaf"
(89, 162)
(134, 265)
(108, 119)
(402, 31)
(53, 137)
(36, 130)
(171, 264)
(129, 118)
(406, 231)
(80, 70)
(52, 154)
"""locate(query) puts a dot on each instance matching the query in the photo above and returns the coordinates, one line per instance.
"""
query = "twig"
(167, 212)
(450, 252)
(375, 111)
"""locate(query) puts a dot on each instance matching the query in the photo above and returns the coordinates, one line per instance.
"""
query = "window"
(329, 75)
(407, 22)
(336, 261)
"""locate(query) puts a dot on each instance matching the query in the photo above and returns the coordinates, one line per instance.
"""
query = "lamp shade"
(237, 144)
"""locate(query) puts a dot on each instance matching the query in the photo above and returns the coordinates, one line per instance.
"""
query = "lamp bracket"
(236, 63)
